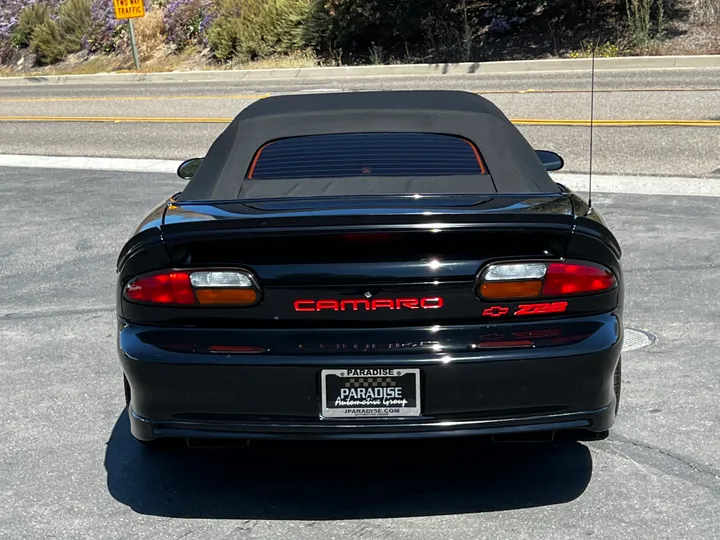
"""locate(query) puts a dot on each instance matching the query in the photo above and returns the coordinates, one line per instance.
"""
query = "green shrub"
(646, 20)
(30, 18)
(47, 43)
(75, 21)
(254, 29)
(51, 41)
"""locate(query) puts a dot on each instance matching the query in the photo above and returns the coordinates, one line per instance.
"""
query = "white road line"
(641, 185)
(89, 163)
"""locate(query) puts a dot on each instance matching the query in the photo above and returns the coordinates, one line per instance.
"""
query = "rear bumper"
(146, 429)
(188, 394)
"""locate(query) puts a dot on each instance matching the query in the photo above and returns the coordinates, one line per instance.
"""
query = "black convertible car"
(370, 265)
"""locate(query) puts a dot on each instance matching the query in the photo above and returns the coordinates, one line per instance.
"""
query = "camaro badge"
(369, 305)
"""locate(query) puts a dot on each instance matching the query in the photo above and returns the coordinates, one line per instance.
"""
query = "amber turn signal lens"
(510, 289)
(234, 297)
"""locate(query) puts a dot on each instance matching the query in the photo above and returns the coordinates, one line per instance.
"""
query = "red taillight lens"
(170, 288)
(231, 288)
(567, 279)
(516, 281)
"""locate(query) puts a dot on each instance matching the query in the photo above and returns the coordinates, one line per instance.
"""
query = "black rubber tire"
(126, 388)
(618, 384)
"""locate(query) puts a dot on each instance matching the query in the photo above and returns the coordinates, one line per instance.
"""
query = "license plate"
(370, 393)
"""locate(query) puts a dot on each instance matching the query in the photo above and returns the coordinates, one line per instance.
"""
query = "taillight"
(515, 281)
(566, 279)
(169, 288)
(233, 288)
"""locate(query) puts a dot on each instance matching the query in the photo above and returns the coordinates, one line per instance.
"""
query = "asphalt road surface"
(69, 468)
(180, 120)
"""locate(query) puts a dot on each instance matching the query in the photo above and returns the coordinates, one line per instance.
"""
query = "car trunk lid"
(368, 261)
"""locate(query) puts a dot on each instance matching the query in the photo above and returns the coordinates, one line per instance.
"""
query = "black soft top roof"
(512, 164)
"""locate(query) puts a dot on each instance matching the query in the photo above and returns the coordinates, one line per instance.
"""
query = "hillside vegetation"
(221, 33)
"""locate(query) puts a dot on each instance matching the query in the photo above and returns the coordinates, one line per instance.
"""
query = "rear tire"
(617, 383)
(126, 388)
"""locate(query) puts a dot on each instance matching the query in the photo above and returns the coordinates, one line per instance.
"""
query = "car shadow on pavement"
(343, 480)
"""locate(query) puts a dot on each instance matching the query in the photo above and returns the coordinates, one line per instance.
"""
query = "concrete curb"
(467, 68)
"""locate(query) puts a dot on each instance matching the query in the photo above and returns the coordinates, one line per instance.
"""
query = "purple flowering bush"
(187, 22)
(106, 31)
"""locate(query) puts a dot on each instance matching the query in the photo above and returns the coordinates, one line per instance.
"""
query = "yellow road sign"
(129, 9)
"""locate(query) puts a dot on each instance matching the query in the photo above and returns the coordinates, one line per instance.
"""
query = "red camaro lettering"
(409, 303)
(362, 304)
(327, 304)
(383, 304)
(354, 305)
(304, 305)
(431, 303)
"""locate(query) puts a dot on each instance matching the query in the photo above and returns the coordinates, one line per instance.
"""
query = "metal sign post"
(130, 9)
(133, 44)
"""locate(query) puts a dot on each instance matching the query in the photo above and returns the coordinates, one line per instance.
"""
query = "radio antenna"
(592, 106)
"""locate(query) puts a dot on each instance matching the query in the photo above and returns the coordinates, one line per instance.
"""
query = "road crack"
(710, 475)
(17, 315)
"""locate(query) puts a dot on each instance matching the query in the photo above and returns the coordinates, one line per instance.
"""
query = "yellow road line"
(517, 121)
(597, 90)
(617, 123)
(116, 119)
(133, 98)
(268, 94)
(523, 121)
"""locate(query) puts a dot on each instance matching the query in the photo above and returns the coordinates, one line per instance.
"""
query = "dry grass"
(150, 33)
(162, 61)
(301, 59)
(706, 11)
(705, 40)
(97, 64)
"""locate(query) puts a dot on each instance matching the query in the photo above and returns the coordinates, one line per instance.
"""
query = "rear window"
(366, 154)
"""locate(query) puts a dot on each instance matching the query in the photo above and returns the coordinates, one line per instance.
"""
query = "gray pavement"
(615, 79)
(645, 105)
(672, 94)
(667, 151)
(69, 468)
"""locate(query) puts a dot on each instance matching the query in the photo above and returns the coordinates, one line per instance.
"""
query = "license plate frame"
(371, 380)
